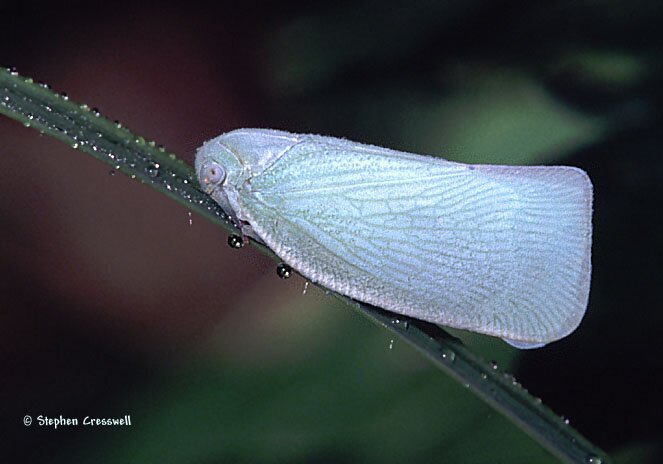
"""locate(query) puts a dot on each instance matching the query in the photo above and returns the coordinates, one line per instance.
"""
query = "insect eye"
(213, 174)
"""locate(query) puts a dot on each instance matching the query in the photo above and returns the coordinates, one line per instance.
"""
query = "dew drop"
(448, 355)
(236, 242)
(565, 420)
(74, 145)
(305, 288)
(400, 323)
(484, 376)
(111, 172)
(493, 365)
(64, 96)
(190, 219)
(391, 344)
(594, 460)
(84, 107)
(153, 170)
(283, 271)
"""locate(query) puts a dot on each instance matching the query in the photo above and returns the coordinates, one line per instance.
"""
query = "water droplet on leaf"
(448, 355)
(153, 170)
(283, 271)
(235, 241)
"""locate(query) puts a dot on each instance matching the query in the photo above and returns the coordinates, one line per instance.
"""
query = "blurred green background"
(114, 302)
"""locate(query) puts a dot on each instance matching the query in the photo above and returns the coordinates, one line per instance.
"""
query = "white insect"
(499, 250)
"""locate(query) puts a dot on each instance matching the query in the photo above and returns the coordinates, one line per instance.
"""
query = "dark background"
(112, 303)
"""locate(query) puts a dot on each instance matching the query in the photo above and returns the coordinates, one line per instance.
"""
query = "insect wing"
(500, 250)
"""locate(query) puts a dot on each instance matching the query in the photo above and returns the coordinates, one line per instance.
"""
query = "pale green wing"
(493, 249)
